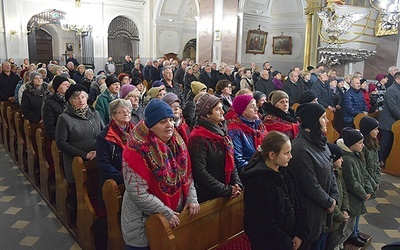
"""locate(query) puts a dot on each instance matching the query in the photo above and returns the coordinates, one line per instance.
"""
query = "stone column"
(205, 31)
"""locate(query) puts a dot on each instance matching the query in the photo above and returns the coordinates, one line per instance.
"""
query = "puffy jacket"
(354, 104)
(53, 107)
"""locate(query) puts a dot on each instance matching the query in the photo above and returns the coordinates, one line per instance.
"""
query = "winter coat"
(324, 94)
(188, 112)
(32, 101)
(353, 105)
(357, 180)
(79, 78)
(7, 85)
(53, 107)
(276, 119)
(274, 214)
(175, 88)
(373, 166)
(293, 90)
(208, 165)
(88, 84)
(76, 136)
(102, 103)
(313, 168)
(391, 109)
(188, 79)
(246, 83)
(137, 115)
(94, 92)
(265, 86)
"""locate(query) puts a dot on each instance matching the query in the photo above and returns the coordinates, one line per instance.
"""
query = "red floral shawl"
(257, 134)
(201, 131)
(116, 135)
(164, 166)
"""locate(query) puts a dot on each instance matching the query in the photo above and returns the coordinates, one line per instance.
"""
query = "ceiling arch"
(178, 9)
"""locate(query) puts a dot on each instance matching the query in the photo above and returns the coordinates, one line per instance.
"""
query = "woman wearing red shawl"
(246, 130)
(111, 141)
(157, 175)
(181, 126)
(279, 116)
(211, 152)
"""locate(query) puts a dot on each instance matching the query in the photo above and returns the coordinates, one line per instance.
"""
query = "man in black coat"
(127, 66)
(264, 84)
(8, 82)
(293, 87)
(208, 78)
(180, 73)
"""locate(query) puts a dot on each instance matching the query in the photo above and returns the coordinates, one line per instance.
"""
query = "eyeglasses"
(124, 112)
(229, 86)
(133, 96)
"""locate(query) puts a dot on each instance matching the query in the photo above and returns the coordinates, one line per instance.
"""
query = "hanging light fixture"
(76, 21)
(390, 13)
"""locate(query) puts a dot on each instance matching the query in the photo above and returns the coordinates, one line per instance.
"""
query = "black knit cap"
(110, 80)
(74, 88)
(258, 95)
(336, 151)
(367, 124)
(307, 96)
(351, 136)
(309, 114)
(57, 82)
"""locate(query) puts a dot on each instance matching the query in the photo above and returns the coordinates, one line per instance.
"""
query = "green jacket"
(342, 203)
(102, 103)
(373, 166)
(356, 178)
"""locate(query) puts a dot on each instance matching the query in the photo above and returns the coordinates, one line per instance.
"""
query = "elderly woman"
(246, 130)
(79, 76)
(188, 78)
(111, 141)
(278, 115)
(54, 106)
(212, 153)
(89, 79)
(95, 87)
(110, 94)
(223, 90)
(180, 125)
(32, 98)
(132, 94)
(156, 182)
(313, 168)
(77, 129)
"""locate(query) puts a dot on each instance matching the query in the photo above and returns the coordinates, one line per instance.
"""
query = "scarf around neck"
(257, 133)
(40, 91)
(117, 135)
(164, 166)
(202, 132)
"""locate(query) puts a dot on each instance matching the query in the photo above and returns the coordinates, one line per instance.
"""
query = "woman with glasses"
(32, 98)
(223, 90)
(180, 125)
(131, 93)
(111, 141)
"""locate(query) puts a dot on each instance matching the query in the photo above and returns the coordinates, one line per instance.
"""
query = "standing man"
(208, 78)
(72, 59)
(293, 87)
(392, 70)
(171, 86)
(127, 66)
(180, 73)
(110, 66)
(389, 115)
(147, 70)
(323, 91)
(8, 82)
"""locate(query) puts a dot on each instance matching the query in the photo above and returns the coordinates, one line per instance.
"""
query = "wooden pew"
(31, 150)
(12, 132)
(61, 184)
(295, 106)
(112, 196)
(219, 221)
(392, 165)
(357, 120)
(21, 144)
(5, 126)
(331, 132)
(46, 175)
(87, 179)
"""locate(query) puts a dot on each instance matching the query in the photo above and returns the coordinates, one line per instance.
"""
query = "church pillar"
(205, 31)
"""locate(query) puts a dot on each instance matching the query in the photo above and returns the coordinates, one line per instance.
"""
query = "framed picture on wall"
(69, 47)
(282, 45)
(256, 41)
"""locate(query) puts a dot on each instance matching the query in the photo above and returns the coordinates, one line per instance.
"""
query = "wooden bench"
(31, 150)
(87, 179)
(219, 221)
(392, 165)
(331, 132)
(12, 132)
(61, 184)
(5, 127)
(47, 182)
(357, 120)
(21, 144)
(112, 196)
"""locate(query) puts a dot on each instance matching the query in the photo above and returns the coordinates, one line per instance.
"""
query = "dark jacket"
(313, 168)
(31, 103)
(79, 78)
(373, 166)
(7, 85)
(53, 107)
(293, 90)
(179, 75)
(209, 81)
(188, 79)
(188, 112)
(324, 94)
(265, 86)
(391, 109)
(76, 136)
(137, 115)
(127, 67)
(208, 165)
(274, 214)
(354, 104)
(175, 88)
(147, 73)
(87, 83)
(276, 119)
(342, 203)
(154, 74)
(94, 92)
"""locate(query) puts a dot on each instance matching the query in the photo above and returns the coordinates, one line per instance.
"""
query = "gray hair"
(88, 70)
(320, 72)
(166, 68)
(112, 107)
(77, 93)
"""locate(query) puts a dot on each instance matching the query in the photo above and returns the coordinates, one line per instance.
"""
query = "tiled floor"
(26, 222)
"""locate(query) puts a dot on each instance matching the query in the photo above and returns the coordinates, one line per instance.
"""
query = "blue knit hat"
(155, 111)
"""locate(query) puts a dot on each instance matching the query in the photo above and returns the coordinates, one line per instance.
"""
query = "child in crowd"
(357, 180)
(341, 212)
(369, 128)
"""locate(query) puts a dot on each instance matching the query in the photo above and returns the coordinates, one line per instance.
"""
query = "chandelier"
(76, 21)
(390, 13)
(335, 54)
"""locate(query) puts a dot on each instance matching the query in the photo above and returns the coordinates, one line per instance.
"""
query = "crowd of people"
(180, 134)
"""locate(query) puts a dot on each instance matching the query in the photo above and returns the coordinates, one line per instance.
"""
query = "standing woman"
(274, 216)
(32, 98)
(157, 175)
(212, 153)
(223, 90)
(313, 168)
